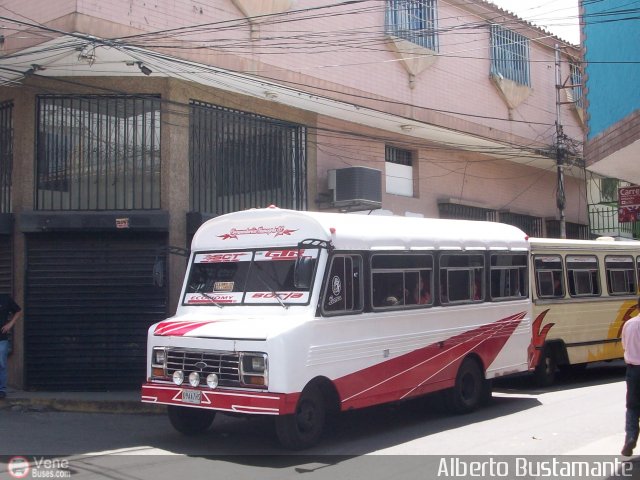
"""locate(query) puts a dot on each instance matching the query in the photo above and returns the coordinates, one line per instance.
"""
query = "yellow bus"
(583, 292)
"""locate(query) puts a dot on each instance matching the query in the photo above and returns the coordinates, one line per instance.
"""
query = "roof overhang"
(622, 164)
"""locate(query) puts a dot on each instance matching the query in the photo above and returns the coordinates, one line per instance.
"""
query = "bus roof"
(274, 227)
(603, 243)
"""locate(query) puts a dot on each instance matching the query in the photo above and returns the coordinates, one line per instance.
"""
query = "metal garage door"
(89, 302)
(6, 269)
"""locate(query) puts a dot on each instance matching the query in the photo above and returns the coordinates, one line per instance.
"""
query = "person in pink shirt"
(631, 346)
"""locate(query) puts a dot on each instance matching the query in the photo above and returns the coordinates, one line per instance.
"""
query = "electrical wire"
(452, 146)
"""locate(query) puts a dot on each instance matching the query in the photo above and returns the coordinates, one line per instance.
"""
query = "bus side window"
(549, 274)
(583, 275)
(388, 289)
(461, 278)
(401, 280)
(458, 282)
(621, 275)
(508, 276)
(343, 289)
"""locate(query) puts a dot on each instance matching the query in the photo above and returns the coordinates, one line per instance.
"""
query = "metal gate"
(88, 304)
(6, 269)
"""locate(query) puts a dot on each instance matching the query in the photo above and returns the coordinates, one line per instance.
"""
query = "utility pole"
(560, 151)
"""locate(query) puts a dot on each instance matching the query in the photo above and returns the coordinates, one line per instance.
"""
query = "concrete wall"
(350, 55)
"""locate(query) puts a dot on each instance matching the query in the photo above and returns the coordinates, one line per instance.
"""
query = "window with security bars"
(240, 160)
(573, 230)
(98, 152)
(6, 155)
(531, 225)
(576, 85)
(398, 171)
(510, 55)
(466, 212)
(414, 21)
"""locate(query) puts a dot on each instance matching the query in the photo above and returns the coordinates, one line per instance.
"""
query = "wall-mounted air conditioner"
(355, 188)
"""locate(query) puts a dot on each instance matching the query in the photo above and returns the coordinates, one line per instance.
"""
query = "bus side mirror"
(158, 272)
(303, 271)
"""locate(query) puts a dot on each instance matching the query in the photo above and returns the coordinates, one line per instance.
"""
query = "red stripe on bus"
(426, 369)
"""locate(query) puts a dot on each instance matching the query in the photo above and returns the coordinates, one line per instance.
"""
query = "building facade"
(125, 126)
(611, 40)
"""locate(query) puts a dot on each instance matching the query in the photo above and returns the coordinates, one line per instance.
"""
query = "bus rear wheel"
(470, 390)
(190, 421)
(545, 371)
(303, 428)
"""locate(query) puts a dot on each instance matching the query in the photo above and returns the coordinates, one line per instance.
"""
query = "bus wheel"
(303, 428)
(545, 372)
(190, 421)
(470, 390)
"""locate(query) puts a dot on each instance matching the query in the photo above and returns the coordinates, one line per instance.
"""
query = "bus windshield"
(247, 277)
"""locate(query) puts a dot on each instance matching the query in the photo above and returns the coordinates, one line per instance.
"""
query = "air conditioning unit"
(355, 188)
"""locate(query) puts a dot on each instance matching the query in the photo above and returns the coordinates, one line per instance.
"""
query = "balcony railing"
(603, 220)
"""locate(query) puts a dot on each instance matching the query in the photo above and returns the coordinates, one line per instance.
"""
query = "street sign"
(629, 204)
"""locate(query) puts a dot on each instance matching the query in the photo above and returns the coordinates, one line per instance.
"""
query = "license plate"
(191, 396)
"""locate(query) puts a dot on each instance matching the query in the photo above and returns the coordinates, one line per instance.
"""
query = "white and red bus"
(301, 314)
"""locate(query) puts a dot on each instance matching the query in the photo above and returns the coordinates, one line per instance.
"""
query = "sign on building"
(629, 204)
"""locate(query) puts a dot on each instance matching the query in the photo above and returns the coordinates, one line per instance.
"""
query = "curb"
(80, 406)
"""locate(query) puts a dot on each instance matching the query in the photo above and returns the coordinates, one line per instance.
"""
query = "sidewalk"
(127, 402)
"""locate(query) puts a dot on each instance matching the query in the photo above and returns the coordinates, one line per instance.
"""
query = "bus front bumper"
(255, 403)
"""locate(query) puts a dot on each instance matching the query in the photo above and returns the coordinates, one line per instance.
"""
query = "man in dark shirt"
(10, 312)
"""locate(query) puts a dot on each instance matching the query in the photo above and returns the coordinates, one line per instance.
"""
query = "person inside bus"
(395, 297)
(444, 291)
(421, 293)
(557, 286)
(477, 286)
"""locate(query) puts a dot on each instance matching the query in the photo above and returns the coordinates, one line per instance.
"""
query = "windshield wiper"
(264, 282)
(213, 300)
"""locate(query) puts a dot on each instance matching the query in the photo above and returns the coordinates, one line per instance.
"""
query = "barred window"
(466, 212)
(399, 171)
(531, 225)
(576, 85)
(414, 21)
(6, 155)
(240, 160)
(510, 55)
(98, 152)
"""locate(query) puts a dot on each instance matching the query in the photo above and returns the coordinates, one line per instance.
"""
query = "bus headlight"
(158, 362)
(194, 379)
(158, 357)
(254, 369)
(178, 377)
(212, 380)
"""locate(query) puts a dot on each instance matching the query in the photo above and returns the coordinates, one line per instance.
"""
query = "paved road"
(583, 415)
